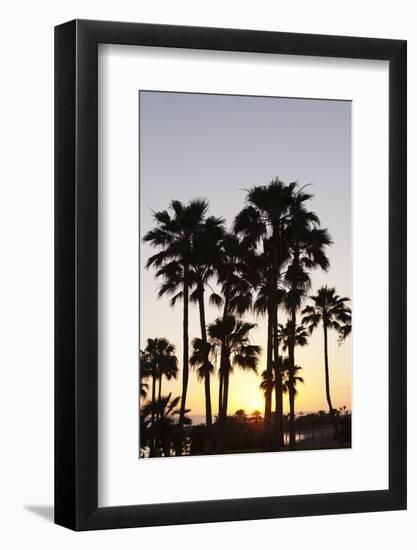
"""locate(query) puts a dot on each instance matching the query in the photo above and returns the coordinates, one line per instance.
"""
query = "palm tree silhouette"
(158, 360)
(230, 336)
(202, 358)
(284, 371)
(174, 235)
(262, 306)
(235, 275)
(291, 385)
(331, 310)
(161, 432)
(290, 338)
(285, 334)
(288, 384)
(145, 372)
(203, 261)
(264, 220)
(168, 367)
(307, 242)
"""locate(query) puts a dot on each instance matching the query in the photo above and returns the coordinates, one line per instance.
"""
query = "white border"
(123, 479)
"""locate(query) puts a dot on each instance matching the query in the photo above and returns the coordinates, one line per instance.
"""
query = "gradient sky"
(215, 147)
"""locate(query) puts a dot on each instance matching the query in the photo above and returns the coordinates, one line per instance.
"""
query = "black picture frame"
(76, 272)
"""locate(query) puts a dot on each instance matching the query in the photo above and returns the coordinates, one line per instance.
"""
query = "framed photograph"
(230, 247)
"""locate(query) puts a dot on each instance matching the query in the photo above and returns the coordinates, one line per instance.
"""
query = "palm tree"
(148, 369)
(267, 383)
(230, 336)
(264, 220)
(158, 360)
(291, 385)
(331, 310)
(174, 235)
(235, 275)
(145, 372)
(262, 306)
(201, 358)
(307, 243)
(203, 261)
(289, 338)
(168, 367)
(162, 432)
(288, 385)
(285, 334)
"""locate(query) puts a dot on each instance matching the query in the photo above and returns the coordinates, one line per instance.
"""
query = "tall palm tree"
(158, 360)
(236, 277)
(263, 220)
(307, 242)
(331, 310)
(262, 306)
(174, 235)
(231, 336)
(203, 261)
(202, 358)
(289, 339)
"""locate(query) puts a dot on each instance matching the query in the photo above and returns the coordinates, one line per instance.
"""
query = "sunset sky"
(215, 147)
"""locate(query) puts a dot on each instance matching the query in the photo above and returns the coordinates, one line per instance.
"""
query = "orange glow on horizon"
(244, 391)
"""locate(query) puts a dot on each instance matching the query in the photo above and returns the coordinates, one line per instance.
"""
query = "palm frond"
(215, 300)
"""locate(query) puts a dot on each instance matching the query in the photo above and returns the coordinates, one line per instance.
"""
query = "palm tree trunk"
(185, 348)
(291, 388)
(223, 387)
(160, 387)
(291, 351)
(223, 359)
(226, 389)
(278, 382)
(206, 362)
(326, 370)
(268, 389)
(153, 395)
(277, 375)
(220, 394)
(276, 276)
